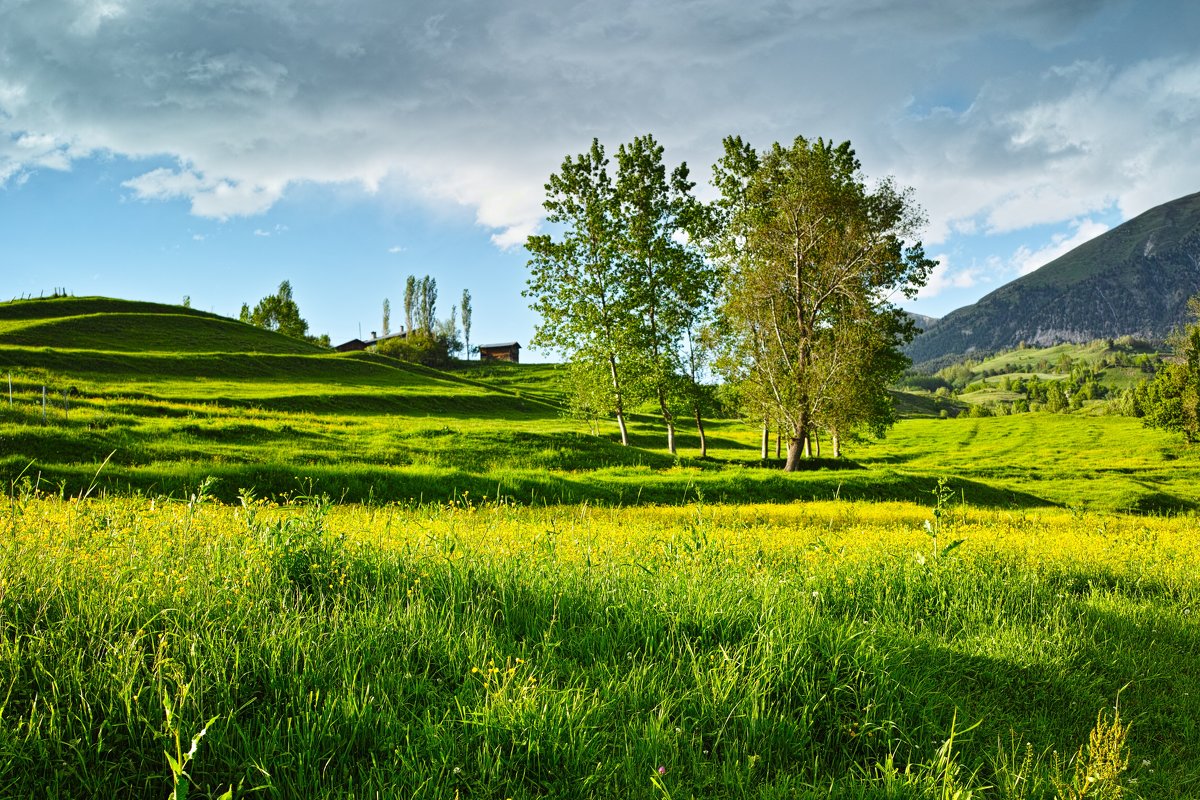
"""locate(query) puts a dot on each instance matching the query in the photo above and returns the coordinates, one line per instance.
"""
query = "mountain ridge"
(1133, 280)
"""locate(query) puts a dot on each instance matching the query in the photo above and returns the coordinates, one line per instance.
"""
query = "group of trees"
(1171, 400)
(625, 291)
(781, 286)
(279, 312)
(427, 340)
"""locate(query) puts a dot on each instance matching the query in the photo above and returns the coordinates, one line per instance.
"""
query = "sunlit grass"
(481, 649)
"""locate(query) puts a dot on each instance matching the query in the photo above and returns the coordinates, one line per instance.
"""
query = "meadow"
(234, 566)
(482, 649)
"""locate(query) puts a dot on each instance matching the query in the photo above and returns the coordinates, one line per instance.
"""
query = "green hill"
(1133, 280)
(106, 410)
(99, 323)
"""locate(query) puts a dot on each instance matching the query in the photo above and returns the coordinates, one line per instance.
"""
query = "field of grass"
(364, 427)
(450, 589)
(476, 649)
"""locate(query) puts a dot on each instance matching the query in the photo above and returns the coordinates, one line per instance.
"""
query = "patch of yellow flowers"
(151, 547)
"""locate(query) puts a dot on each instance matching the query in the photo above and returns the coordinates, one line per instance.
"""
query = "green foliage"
(420, 346)
(577, 282)
(1171, 401)
(466, 322)
(808, 252)
(1100, 764)
(279, 312)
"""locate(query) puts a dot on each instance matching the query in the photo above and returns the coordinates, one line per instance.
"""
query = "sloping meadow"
(477, 649)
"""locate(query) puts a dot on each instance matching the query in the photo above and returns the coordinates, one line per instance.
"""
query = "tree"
(620, 290)
(1171, 401)
(387, 317)
(426, 304)
(279, 312)
(420, 346)
(410, 299)
(811, 256)
(577, 286)
(854, 359)
(466, 322)
(668, 283)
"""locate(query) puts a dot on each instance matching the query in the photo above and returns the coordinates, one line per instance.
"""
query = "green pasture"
(481, 649)
(129, 408)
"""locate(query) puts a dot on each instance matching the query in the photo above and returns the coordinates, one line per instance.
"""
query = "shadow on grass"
(622, 486)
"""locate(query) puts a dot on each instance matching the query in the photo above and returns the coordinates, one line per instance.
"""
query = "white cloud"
(396, 249)
(945, 276)
(1005, 115)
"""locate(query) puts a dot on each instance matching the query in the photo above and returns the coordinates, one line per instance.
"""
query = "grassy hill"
(122, 416)
(106, 324)
(520, 607)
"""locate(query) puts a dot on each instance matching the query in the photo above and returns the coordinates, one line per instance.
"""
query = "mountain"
(1133, 280)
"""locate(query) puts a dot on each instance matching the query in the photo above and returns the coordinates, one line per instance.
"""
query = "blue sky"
(153, 149)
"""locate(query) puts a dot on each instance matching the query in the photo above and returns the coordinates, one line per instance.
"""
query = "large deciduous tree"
(578, 286)
(667, 280)
(811, 256)
(626, 281)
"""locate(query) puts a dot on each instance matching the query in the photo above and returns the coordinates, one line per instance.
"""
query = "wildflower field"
(475, 648)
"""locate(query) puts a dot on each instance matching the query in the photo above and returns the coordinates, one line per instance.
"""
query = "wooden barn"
(505, 351)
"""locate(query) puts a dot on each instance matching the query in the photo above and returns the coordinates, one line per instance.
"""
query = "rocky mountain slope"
(1133, 280)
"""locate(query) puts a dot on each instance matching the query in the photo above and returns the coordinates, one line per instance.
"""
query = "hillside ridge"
(1133, 280)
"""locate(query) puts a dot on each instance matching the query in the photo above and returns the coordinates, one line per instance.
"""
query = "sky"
(157, 149)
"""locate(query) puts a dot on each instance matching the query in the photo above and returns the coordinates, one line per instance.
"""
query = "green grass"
(523, 608)
(151, 333)
(470, 650)
(361, 426)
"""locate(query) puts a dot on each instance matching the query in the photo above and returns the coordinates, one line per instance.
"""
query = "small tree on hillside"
(466, 322)
(410, 301)
(1172, 400)
(279, 312)
(387, 317)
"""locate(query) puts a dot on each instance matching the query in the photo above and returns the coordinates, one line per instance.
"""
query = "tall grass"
(477, 649)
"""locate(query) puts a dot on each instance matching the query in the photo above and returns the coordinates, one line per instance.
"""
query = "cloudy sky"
(152, 149)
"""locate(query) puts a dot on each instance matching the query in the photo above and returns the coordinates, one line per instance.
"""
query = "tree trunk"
(816, 444)
(766, 440)
(700, 430)
(793, 456)
(778, 443)
(669, 419)
(837, 443)
(620, 400)
(807, 446)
